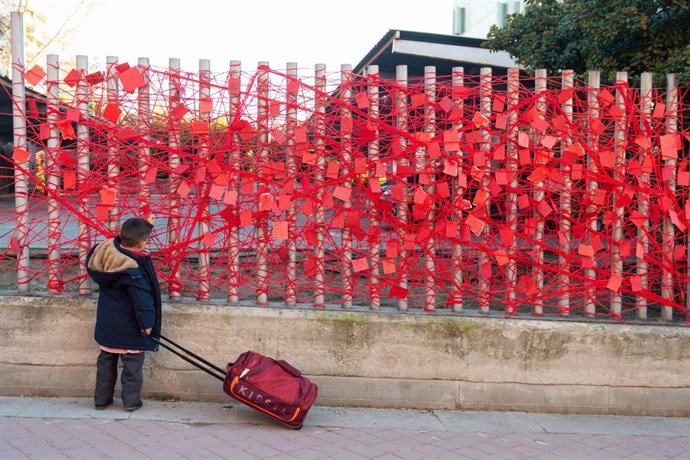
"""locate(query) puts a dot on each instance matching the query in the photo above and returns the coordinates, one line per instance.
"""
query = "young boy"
(129, 311)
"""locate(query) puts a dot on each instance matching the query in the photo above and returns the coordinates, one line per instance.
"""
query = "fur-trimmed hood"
(106, 258)
(109, 261)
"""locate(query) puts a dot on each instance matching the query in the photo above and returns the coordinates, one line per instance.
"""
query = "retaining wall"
(370, 359)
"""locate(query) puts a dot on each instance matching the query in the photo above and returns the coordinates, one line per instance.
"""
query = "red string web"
(515, 196)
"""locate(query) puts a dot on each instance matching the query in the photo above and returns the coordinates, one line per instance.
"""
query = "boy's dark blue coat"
(129, 298)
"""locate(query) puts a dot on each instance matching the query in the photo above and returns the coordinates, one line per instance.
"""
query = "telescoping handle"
(192, 358)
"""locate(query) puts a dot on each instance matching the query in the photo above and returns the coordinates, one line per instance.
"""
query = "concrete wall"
(370, 359)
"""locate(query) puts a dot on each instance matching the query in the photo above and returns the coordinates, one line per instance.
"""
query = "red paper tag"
(479, 119)
(333, 169)
(659, 110)
(342, 193)
(293, 85)
(108, 196)
(102, 212)
(35, 75)
(216, 192)
(670, 144)
(445, 103)
(208, 240)
(417, 99)
(199, 127)
(44, 131)
(362, 100)
(20, 155)
(72, 114)
(501, 257)
(346, 124)
(206, 105)
(73, 78)
(265, 202)
(184, 189)
(278, 135)
(300, 135)
(69, 179)
(245, 218)
(476, 225)
(280, 230)
(178, 112)
(230, 198)
(131, 80)
(388, 267)
(360, 165)
(614, 283)
(360, 264)
(112, 112)
(150, 175)
(95, 78)
(392, 249)
(434, 150)
(397, 292)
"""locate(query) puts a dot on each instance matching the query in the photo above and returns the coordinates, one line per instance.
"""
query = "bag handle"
(213, 371)
(289, 368)
(269, 362)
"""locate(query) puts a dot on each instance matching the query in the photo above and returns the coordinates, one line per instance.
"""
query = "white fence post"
(669, 232)
(144, 113)
(565, 204)
(113, 151)
(512, 99)
(539, 195)
(21, 181)
(52, 173)
(173, 164)
(456, 301)
(430, 244)
(204, 292)
(620, 133)
(592, 227)
(642, 267)
(401, 123)
(346, 147)
(291, 169)
(484, 262)
(373, 157)
(83, 171)
(319, 215)
(235, 158)
(261, 153)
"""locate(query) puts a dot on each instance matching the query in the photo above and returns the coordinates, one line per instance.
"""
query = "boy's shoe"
(103, 406)
(133, 408)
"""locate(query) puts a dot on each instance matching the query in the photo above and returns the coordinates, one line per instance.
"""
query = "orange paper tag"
(280, 230)
(20, 155)
(359, 265)
(35, 75)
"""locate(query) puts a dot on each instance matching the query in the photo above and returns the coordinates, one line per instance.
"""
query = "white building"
(473, 18)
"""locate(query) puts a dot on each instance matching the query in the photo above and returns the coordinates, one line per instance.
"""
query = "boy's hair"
(134, 231)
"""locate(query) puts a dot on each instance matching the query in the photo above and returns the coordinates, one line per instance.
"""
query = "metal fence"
(519, 194)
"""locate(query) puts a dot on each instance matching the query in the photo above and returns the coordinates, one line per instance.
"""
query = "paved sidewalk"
(57, 428)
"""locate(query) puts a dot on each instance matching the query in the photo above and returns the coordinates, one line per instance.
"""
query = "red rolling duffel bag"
(271, 386)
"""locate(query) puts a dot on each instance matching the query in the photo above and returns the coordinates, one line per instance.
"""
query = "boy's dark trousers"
(132, 378)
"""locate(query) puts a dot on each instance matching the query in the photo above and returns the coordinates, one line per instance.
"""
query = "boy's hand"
(146, 331)
(151, 219)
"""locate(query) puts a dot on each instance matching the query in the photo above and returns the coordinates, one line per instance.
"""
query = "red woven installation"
(507, 194)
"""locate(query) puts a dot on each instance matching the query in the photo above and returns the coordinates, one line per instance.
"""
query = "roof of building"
(419, 49)
(6, 105)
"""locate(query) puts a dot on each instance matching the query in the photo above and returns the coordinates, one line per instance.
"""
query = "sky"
(277, 31)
